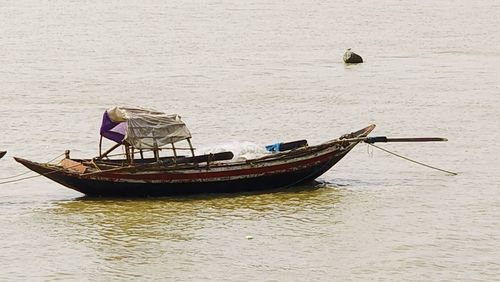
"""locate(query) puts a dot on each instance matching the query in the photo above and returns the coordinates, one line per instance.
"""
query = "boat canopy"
(143, 128)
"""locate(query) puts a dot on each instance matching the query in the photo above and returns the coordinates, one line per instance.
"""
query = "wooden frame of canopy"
(130, 150)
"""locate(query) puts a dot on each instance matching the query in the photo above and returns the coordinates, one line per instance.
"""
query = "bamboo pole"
(100, 146)
(191, 146)
(173, 149)
(109, 151)
(127, 153)
(156, 151)
(384, 139)
(156, 154)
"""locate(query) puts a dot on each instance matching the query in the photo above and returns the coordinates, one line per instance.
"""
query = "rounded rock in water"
(351, 57)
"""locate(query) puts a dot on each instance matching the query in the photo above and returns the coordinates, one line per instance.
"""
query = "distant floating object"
(2, 153)
(249, 237)
(351, 57)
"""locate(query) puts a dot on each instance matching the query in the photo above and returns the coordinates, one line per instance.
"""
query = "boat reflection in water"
(127, 229)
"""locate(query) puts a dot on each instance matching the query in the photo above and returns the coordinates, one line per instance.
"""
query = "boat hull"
(114, 186)
(283, 171)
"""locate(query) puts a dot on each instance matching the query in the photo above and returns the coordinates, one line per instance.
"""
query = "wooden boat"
(2, 153)
(139, 131)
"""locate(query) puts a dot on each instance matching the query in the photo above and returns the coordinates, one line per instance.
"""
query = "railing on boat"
(130, 151)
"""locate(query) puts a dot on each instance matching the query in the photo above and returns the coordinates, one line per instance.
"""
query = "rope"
(14, 176)
(24, 178)
(95, 165)
(34, 176)
(109, 170)
(54, 171)
(26, 172)
(413, 161)
(369, 151)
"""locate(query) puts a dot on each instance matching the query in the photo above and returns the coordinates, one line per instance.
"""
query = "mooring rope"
(39, 174)
(14, 176)
(26, 172)
(24, 178)
(413, 161)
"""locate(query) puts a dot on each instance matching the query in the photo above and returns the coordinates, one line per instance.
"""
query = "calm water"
(258, 72)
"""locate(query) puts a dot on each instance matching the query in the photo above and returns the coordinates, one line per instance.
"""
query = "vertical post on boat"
(100, 147)
(156, 151)
(191, 146)
(127, 153)
(142, 155)
(132, 155)
(156, 154)
(175, 152)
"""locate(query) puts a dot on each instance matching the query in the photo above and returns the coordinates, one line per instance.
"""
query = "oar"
(384, 139)
(378, 139)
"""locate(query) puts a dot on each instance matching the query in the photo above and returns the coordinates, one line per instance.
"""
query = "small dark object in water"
(2, 153)
(351, 57)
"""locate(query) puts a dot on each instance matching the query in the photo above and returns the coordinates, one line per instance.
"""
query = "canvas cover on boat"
(143, 128)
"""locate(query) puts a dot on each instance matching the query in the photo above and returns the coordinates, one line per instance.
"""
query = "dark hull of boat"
(291, 169)
(2, 153)
(117, 188)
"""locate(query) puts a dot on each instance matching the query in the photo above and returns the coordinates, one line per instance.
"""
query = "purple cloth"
(115, 131)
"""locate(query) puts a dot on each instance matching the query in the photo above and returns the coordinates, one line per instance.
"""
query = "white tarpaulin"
(146, 129)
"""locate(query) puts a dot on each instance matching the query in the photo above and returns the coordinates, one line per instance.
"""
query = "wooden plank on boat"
(73, 166)
(223, 156)
(292, 145)
(287, 146)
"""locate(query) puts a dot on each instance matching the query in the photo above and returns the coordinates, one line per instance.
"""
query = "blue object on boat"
(273, 147)
(281, 147)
